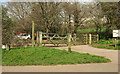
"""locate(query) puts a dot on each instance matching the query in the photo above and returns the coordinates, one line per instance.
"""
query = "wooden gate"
(55, 39)
(73, 39)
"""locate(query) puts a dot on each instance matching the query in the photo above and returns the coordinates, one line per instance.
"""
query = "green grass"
(86, 30)
(89, 30)
(107, 44)
(47, 56)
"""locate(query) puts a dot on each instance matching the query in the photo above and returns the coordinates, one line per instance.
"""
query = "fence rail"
(57, 39)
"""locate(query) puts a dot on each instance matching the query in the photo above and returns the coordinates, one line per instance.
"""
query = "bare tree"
(19, 11)
(47, 14)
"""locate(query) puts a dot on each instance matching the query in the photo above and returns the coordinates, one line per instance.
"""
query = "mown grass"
(47, 56)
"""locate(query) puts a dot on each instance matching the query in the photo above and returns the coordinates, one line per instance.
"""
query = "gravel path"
(94, 67)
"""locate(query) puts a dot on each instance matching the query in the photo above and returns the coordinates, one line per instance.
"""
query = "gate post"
(37, 38)
(33, 34)
(69, 43)
(90, 39)
(40, 35)
(97, 38)
(86, 39)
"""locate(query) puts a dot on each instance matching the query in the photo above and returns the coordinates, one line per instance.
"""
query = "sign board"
(116, 33)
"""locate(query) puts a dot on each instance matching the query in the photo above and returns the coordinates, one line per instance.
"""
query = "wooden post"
(75, 39)
(97, 38)
(115, 43)
(69, 43)
(37, 40)
(90, 39)
(7, 47)
(33, 34)
(86, 39)
(25, 45)
(40, 35)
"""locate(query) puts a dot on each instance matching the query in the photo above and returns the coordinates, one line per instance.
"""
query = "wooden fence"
(68, 39)
(84, 39)
(56, 39)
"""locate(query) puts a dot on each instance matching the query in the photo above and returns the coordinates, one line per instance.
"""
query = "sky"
(59, 0)
(44, 0)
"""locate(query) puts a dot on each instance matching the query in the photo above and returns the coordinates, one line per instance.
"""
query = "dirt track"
(101, 67)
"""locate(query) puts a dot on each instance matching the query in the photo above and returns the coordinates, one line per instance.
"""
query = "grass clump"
(47, 56)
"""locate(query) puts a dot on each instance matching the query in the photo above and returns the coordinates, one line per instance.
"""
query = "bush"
(19, 43)
(109, 41)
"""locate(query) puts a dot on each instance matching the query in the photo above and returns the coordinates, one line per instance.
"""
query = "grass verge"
(47, 56)
(106, 46)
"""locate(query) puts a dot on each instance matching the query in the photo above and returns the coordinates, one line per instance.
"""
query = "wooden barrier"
(56, 39)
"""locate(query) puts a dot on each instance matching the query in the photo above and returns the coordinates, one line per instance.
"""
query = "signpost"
(116, 34)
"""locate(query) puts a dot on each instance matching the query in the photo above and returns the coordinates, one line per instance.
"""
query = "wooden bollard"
(75, 39)
(115, 42)
(86, 39)
(97, 38)
(37, 39)
(33, 42)
(69, 43)
(7, 47)
(40, 38)
(90, 39)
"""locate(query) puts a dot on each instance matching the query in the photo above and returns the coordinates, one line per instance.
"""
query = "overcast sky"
(48, 0)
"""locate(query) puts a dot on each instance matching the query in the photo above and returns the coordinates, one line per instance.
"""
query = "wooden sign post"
(116, 34)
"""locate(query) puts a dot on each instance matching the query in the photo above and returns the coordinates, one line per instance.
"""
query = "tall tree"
(110, 10)
(118, 24)
(47, 14)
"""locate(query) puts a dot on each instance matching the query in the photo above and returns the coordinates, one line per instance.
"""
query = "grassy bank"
(47, 56)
